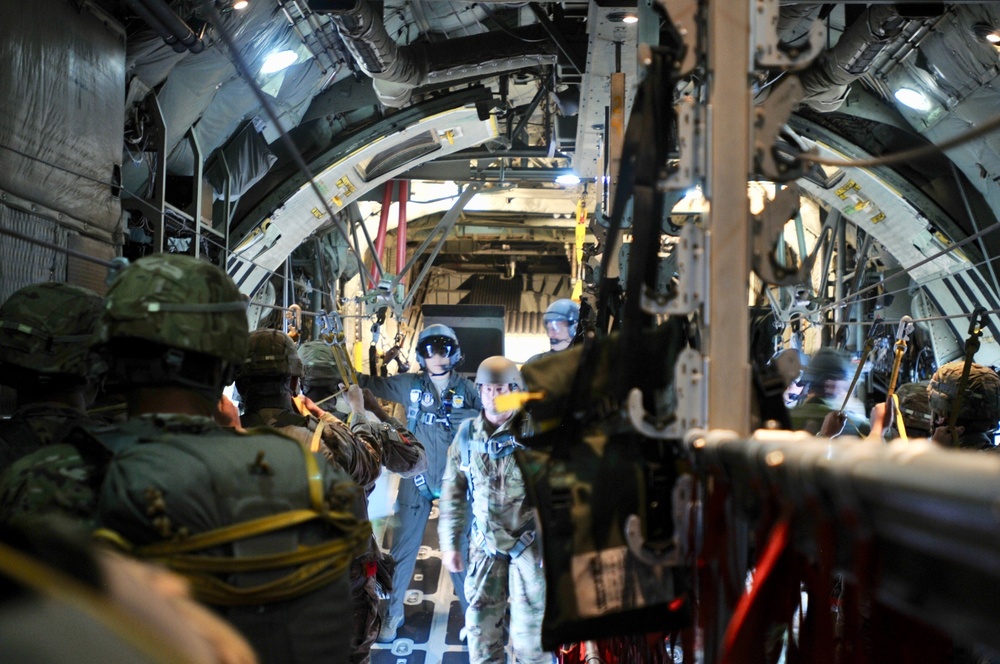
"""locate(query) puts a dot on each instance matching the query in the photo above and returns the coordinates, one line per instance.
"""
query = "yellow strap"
(227, 534)
(313, 476)
(230, 565)
(67, 590)
(317, 437)
(899, 417)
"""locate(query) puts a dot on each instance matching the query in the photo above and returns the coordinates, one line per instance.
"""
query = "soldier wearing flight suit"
(262, 528)
(48, 354)
(504, 562)
(437, 400)
(268, 381)
(562, 320)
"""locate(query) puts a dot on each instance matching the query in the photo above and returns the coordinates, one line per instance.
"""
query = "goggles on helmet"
(437, 345)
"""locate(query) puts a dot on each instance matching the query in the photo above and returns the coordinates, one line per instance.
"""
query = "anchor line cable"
(849, 301)
(905, 271)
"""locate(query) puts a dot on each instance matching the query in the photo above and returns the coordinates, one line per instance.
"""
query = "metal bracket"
(689, 164)
(691, 388)
(691, 287)
(769, 122)
(676, 552)
(768, 50)
(767, 228)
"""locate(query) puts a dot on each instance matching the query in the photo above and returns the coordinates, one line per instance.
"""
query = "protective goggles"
(439, 345)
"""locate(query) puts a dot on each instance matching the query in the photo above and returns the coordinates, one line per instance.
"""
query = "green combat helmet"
(271, 353)
(320, 373)
(48, 333)
(167, 315)
(318, 362)
(980, 408)
(916, 409)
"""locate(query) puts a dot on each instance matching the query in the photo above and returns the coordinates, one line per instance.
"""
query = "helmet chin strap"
(443, 373)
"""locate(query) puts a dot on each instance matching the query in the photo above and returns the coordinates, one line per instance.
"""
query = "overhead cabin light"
(568, 179)
(278, 60)
(241, 4)
(623, 17)
(914, 99)
(987, 32)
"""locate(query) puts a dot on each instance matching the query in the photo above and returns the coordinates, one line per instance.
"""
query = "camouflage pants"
(367, 621)
(490, 585)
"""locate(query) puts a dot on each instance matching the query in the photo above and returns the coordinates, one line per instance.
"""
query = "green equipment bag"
(596, 484)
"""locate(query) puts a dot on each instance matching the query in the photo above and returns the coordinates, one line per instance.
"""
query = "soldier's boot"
(389, 626)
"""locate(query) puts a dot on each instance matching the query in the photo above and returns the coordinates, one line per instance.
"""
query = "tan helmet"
(52, 330)
(498, 370)
(980, 408)
(271, 353)
(179, 302)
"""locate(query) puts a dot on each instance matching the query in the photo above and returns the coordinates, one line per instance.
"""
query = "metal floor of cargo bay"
(432, 615)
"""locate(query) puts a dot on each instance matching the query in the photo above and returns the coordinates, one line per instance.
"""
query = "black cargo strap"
(525, 536)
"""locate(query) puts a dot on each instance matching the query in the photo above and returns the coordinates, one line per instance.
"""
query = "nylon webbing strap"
(313, 477)
(317, 437)
(228, 534)
(900, 425)
(971, 346)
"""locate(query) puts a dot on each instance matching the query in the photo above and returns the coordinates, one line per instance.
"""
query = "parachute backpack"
(614, 499)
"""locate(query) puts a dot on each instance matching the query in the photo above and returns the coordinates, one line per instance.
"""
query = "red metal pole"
(404, 194)
(383, 223)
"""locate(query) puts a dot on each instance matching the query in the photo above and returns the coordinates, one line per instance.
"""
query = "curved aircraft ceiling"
(511, 94)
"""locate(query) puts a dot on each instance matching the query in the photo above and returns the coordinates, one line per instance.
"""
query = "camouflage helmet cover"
(52, 328)
(915, 406)
(271, 353)
(981, 401)
(498, 370)
(179, 302)
(318, 361)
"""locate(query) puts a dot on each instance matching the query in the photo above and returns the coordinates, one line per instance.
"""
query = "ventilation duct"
(174, 31)
(826, 81)
(397, 70)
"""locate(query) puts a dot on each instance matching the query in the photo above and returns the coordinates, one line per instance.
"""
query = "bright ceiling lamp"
(278, 60)
(568, 179)
(241, 4)
(914, 99)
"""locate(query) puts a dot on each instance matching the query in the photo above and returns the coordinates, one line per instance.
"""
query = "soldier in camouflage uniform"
(979, 409)
(268, 380)
(827, 378)
(262, 528)
(504, 555)
(48, 354)
(437, 400)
